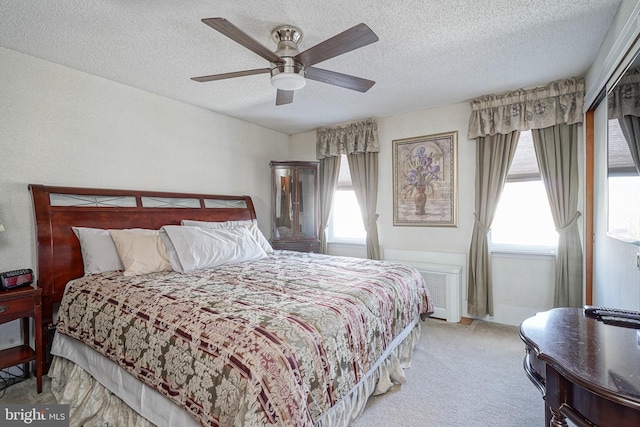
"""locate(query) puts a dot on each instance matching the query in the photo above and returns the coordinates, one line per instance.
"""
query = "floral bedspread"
(270, 342)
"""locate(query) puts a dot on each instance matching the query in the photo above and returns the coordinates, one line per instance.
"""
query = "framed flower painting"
(425, 188)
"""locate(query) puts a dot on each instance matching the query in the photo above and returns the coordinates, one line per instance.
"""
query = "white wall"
(303, 146)
(522, 285)
(616, 277)
(444, 239)
(64, 127)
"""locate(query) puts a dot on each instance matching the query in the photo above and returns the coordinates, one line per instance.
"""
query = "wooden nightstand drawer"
(15, 308)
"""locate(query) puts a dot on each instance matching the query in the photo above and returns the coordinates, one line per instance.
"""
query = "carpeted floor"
(25, 392)
(461, 376)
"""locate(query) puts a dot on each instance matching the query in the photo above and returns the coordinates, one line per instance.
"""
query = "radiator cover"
(443, 280)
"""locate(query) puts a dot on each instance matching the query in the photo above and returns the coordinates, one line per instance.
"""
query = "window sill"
(523, 252)
(347, 243)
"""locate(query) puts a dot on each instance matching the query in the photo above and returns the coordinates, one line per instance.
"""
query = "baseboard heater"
(444, 283)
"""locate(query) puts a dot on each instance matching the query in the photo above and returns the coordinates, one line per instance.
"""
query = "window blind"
(524, 166)
(344, 177)
(619, 159)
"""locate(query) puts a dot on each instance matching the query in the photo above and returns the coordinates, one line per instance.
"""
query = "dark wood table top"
(603, 359)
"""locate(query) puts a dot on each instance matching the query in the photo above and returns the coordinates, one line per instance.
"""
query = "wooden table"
(588, 372)
(23, 303)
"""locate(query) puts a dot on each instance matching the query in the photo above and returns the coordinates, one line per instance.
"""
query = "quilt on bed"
(270, 342)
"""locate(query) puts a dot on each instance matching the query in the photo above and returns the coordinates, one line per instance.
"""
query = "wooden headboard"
(57, 209)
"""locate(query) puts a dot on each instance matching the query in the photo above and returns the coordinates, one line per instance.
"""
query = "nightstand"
(23, 303)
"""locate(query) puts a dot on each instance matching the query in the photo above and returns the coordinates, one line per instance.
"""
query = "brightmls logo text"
(35, 415)
(27, 416)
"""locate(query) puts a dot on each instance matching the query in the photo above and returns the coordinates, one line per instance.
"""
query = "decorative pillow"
(198, 248)
(252, 224)
(141, 251)
(98, 251)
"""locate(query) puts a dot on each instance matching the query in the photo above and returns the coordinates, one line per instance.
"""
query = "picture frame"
(425, 180)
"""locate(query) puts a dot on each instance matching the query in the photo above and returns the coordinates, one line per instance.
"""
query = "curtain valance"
(624, 98)
(558, 102)
(350, 138)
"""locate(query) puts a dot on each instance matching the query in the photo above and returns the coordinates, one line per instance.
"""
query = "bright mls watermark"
(34, 415)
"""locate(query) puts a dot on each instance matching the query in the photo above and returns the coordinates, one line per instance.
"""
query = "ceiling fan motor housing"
(288, 74)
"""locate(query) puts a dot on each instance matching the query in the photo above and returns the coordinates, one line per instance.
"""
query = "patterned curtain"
(624, 105)
(624, 98)
(559, 102)
(357, 137)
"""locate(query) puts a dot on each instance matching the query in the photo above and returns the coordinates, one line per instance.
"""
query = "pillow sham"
(251, 224)
(198, 248)
(141, 251)
(99, 253)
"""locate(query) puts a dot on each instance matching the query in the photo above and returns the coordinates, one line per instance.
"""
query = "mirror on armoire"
(284, 203)
(623, 156)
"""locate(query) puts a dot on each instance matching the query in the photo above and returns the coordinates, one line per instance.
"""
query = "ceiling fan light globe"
(288, 81)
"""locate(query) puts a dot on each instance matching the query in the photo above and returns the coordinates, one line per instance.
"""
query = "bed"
(261, 337)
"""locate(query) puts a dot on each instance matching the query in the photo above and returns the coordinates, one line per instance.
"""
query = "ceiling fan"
(289, 68)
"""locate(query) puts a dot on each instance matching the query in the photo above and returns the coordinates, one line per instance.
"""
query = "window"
(345, 222)
(523, 221)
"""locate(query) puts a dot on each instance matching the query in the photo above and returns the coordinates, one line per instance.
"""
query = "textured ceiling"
(431, 53)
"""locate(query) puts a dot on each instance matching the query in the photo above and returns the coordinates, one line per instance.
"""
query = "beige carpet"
(461, 376)
(25, 392)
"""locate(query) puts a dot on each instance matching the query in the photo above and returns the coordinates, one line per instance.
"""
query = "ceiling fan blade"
(284, 97)
(338, 79)
(236, 34)
(230, 75)
(351, 39)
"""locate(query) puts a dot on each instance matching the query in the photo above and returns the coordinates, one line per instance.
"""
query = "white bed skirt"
(99, 392)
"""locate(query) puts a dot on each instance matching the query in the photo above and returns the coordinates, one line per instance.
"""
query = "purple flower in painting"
(421, 169)
(412, 177)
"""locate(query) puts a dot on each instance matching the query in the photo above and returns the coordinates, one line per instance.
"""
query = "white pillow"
(98, 251)
(141, 251)
(198, 248)
(252, 224)
(172, 255)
